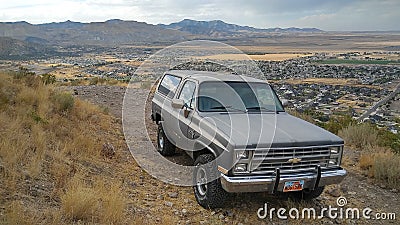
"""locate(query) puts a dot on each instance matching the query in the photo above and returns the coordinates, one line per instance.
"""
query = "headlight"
(335, 155)
(240, 168)
(333, 162)
(334, 150)
(242, 155)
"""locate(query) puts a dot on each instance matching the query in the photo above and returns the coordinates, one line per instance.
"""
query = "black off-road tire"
(164, 146)
(308, 194)
(210, 195)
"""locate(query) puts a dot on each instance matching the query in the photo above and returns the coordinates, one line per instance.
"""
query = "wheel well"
(201, 152)
(158, 118)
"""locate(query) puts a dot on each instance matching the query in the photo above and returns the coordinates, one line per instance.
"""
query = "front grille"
(267, 160)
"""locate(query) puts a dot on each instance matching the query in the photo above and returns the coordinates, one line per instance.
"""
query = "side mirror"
(285, 102)
(177, 103)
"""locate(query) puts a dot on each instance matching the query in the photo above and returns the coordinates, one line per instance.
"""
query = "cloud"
(324, 14)
(361, 15)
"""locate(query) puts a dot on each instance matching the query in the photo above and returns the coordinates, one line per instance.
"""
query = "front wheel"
(164, 146)
(207, 187)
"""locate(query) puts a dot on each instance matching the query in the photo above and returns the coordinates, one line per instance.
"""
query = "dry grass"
(386, 168)
(376, 161)
(113, 202)
(46, 138)
(382, 165)
(101, 202)
(17, 213)
(366, 161)
(80, 202)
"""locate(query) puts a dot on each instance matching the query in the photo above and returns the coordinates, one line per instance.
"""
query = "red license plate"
(293, 185)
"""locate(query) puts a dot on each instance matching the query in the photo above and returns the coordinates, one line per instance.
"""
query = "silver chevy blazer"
(240, 138)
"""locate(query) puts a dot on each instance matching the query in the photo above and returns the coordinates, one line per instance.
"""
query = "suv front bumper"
(273, 183)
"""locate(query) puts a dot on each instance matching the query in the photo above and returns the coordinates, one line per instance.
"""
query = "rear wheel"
(164, 146)
(207, 187)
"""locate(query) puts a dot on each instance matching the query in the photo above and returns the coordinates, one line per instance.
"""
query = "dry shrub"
(84, 111)
(61, 173)
(14, 147)
(360, 136)
(7, 90)
(27, 96)
(82, 145)
(101, 202)
(35, 97)
(17, 213)
(366, 161)
(382, 165)
(63, 102)
(113, 203)
(80, 202)
(386, 168)
(48, 136)
(39, 144)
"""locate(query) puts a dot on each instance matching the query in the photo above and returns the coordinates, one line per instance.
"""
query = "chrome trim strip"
(265, 183)
(320, 146)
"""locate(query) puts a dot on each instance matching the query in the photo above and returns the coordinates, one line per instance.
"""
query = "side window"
(187, 93)
(169, 84)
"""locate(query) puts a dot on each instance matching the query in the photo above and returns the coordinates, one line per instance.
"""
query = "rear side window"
(169, 84)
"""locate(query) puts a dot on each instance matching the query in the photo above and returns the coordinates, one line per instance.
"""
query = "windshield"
(218, 96)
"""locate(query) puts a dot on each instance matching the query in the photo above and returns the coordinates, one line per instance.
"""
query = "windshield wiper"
(259, 108)
(227, 107)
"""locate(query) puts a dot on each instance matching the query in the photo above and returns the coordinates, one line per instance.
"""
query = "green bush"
(27, 77)
(97, 80)
(337, 123)
(63, 102)
(304, 116)
(389, 139)
(37, 118)
(48, 79)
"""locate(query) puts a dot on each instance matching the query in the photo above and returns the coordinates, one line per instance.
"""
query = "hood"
(270, 130)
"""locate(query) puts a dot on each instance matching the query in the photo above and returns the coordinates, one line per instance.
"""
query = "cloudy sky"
(324, 14)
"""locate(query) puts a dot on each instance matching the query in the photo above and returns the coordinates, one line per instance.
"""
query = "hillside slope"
(65, 161)
(110, 32)
(16, 49)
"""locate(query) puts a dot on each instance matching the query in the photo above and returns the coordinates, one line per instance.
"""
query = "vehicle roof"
(212, 76)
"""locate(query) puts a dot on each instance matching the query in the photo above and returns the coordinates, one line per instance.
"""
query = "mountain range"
(25, 39)
(114, 32)
(218, 28)
(75, 33)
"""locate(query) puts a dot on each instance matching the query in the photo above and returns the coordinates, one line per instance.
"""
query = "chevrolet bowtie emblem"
(294, 160)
